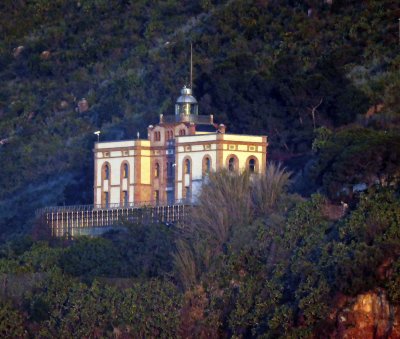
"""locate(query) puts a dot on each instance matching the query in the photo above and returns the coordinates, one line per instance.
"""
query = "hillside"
(311, 250)
(253, 261)
(274, 67)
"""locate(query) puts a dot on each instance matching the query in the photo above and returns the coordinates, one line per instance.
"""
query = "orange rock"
(369, 315)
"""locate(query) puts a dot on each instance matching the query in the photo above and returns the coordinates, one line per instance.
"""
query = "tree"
(11, 321)
(357, 155)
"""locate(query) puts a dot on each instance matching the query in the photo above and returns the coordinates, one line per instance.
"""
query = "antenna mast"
(191, 65)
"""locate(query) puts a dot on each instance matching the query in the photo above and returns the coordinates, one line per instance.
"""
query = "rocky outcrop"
(369, 315)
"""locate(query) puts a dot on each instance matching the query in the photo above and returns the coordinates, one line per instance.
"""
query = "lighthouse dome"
(186, 96)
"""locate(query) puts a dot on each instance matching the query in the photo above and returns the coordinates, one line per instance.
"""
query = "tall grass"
(227, 202)
(224, 201)
(267, 189)
(185, 264)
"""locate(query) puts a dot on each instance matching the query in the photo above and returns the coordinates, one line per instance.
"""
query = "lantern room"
(186, 104)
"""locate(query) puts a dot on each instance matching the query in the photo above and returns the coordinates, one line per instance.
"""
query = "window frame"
(157, 170)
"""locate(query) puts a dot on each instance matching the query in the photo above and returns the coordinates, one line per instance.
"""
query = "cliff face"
(369, 315)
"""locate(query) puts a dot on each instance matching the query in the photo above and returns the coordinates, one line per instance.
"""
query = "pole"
(191, 65)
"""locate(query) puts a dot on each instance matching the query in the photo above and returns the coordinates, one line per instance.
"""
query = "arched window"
(187, 166)
(252, 165)
(157, 136)
(125, 171)
(182, 132)
(232, 164)
(106, 172)
(157, 170)
(206, 165)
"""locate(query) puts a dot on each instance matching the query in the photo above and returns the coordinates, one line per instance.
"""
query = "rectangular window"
(157, 197)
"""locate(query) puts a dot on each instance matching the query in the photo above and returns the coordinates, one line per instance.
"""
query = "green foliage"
(90, 257)
(274, 277)
(139, 251)
(38, 258)
(357, 155)
(322, 136)
(152, 309)
(367, 238)
(291, 296)
(64, 307)
(260, 67)
(16, 246)
(11, 321)
(393, 284)
(143, 250)
(256, 261)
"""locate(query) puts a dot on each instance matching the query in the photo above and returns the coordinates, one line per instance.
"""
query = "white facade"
(218, 148)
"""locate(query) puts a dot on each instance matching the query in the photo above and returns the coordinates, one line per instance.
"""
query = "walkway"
(72, 221)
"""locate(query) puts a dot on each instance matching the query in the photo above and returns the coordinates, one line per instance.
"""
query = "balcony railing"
(198, 119)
